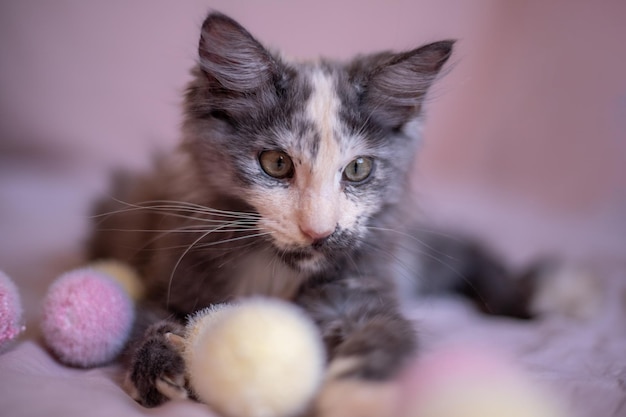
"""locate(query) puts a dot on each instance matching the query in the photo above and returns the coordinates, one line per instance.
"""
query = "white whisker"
(219, 242)
(190, 207)
(185, 230)
(178, 209)
(422, 252)
(414, 238)
(180, 258)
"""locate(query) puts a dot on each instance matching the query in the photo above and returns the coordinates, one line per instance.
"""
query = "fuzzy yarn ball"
(10, 310)
(472, 382)
(124, 274)
(87, 317)
(257, 358)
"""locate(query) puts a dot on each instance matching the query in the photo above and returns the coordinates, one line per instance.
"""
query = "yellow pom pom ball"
(124, 274)
(257, 358)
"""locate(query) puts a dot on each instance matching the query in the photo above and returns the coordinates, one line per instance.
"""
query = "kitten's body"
(291, 182)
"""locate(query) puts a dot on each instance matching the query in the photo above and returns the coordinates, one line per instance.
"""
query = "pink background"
(530, 121)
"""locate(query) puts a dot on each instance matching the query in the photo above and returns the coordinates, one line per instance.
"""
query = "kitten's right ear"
(393, 86)
(232, 58)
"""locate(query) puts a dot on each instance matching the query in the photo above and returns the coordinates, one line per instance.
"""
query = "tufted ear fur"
(393, 86)
(237, 67)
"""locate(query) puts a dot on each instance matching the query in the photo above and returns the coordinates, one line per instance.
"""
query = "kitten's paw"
(343, 396)
(157, 372)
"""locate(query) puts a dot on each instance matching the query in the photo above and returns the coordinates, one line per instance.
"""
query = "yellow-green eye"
(276, 164)
(358, 169)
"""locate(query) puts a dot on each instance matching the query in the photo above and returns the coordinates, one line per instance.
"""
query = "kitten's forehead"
(322, 112)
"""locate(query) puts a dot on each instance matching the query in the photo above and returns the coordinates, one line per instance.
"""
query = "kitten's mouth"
(306, 259)
(317, 256)
(299, 255)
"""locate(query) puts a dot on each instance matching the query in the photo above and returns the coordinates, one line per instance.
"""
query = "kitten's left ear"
(239, 76)
(393, 86)
(232, 57)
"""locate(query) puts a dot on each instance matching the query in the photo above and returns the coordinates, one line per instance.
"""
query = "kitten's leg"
(361, 324)
(367, 339)
(155, 366)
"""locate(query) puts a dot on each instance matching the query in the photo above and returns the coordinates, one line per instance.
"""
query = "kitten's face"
(317, 180)
(318, 149)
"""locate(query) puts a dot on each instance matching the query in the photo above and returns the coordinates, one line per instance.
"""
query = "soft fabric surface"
(580, 360)
(581, 363)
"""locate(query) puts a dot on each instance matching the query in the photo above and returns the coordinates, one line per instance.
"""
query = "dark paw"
(157, 369)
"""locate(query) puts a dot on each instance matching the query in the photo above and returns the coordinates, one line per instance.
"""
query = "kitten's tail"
(464, 266)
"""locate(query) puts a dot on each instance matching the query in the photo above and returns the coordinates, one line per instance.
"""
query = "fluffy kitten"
(291, 181)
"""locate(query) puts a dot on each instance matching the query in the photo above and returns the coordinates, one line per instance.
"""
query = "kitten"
(290, 182)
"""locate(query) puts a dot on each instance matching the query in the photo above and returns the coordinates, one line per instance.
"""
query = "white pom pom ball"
(258, 358)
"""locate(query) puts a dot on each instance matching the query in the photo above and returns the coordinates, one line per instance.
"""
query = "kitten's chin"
(304, 260)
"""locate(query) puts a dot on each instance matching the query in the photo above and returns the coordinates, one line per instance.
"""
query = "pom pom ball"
(87, 317)
(257, 358)
(10, 310)
(124, 274)
(474, 383)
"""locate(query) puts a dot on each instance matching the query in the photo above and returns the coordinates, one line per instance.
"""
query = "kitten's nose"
(317, 235)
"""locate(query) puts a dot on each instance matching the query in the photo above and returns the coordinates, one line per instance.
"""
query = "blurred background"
(525, 141)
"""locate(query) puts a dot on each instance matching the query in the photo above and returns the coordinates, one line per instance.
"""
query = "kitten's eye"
(358, 169)
(276, 164)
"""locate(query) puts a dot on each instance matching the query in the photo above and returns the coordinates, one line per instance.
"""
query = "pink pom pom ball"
(10, 311)
(87, 318)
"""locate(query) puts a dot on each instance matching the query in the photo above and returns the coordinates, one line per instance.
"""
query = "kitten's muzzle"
(319, 243)
(317, 235)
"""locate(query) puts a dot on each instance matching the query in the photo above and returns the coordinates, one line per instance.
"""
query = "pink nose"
(316, 234)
